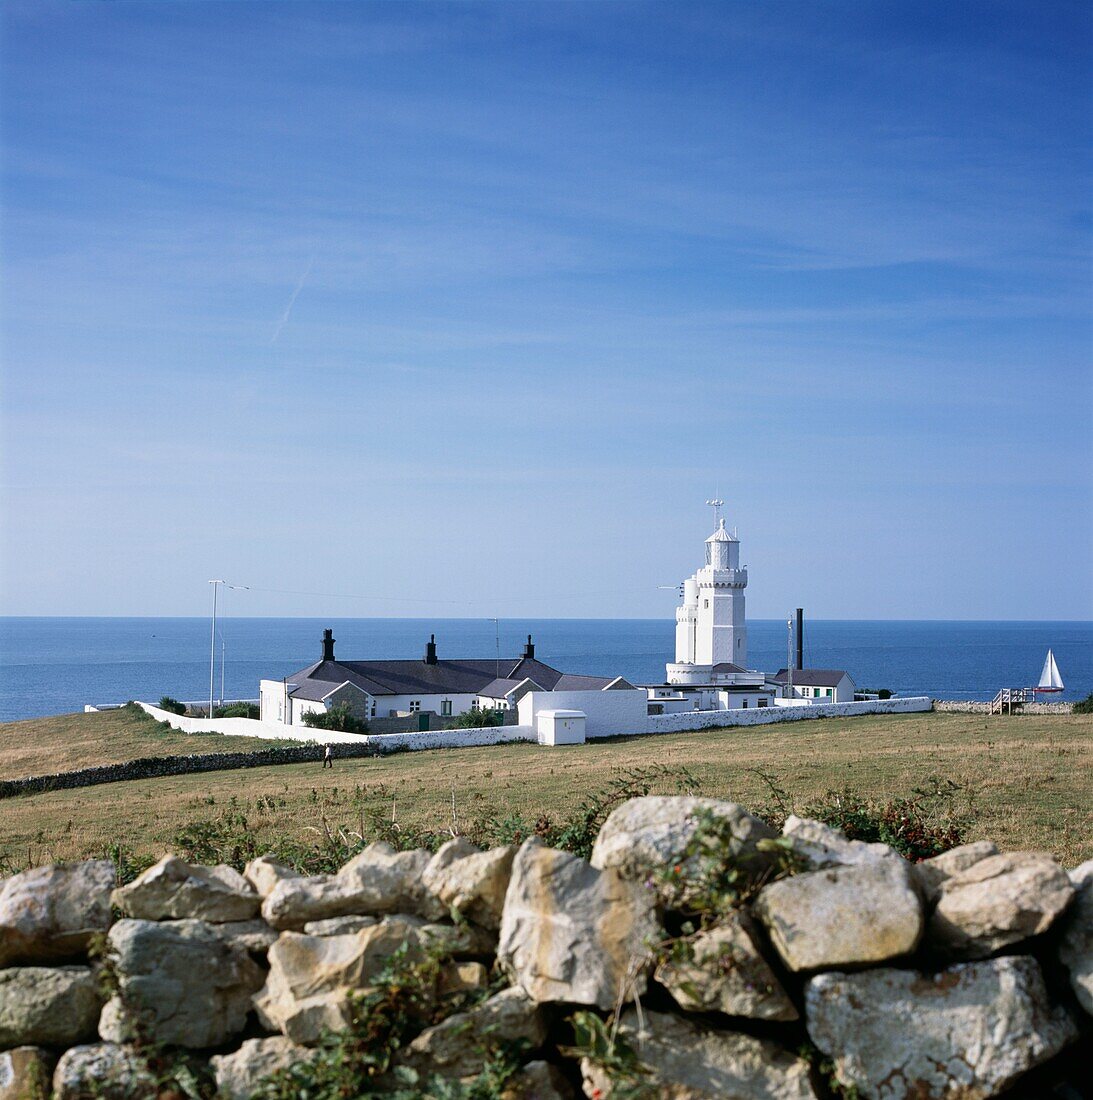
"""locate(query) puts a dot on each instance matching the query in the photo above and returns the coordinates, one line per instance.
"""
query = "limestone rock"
(538, 1081)
(820, 845)
(51, 912)
(182, 981)
(377, 881)
(573, 933)
(174, 889)
(295, 902)
(456, 940)
(52, 1006)
(102, 1071)
(311, 977)
(996, 902)
(265, 872)
(454, 1047)
(463, 977)
(932, 873)
(1076, 946)
(391, 881)
(726, 973)
(338, 926)
(965, 1033)
(688, 1063)
(471, 881)
(843, 916)
(238, 1074)
(251, 935)
(25, 1073)
(645, 835)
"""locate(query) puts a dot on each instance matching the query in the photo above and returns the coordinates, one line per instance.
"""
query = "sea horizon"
(59, 663)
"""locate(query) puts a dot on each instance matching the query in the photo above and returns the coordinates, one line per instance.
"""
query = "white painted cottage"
(383, 689)
(815, 685)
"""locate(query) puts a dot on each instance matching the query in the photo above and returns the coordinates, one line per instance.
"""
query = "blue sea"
(56, 665)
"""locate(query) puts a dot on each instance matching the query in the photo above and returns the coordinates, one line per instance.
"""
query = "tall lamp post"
(212, 644)
(212, 648)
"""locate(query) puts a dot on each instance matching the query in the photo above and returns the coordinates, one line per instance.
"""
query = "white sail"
(1050, 677)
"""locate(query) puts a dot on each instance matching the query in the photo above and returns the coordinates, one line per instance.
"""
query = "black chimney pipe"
(430, 650)
(800, 637)
(529, 650)
(328, 645)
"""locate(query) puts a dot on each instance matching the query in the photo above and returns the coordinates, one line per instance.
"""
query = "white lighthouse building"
(710, 669)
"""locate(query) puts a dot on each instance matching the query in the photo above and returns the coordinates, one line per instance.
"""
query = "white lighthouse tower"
(711, 630)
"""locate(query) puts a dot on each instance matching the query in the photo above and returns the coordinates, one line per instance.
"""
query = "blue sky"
(471, 306)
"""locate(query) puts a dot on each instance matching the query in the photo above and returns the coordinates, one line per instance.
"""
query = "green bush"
(1084, 706)
(173, 705)
(338, 718)
(473, 719)
(237, 710)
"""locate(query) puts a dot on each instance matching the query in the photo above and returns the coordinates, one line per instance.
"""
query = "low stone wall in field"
(836, 968)
(963, 706)
(154, 767)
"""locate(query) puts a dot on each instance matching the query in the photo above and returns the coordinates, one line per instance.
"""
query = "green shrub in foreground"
(1083, 706)
(172, 705)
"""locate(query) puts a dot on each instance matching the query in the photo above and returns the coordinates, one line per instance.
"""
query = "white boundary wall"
(705, 719)
(280, 731)
(617, 722)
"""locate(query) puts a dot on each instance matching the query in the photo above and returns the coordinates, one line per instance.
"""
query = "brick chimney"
(529, 650)
(328, 645)
(430, 650)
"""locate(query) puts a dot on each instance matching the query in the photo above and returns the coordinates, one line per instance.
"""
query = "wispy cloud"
(292, 301)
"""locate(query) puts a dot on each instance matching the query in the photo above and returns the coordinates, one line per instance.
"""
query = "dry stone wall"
(824, 967)
(964, 706)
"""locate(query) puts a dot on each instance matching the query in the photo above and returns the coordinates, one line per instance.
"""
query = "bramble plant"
(715, 874)
(924, 825)
(172, 705)
(578, 833)
(599, 1041)
(361, 1061)
(1083, 706)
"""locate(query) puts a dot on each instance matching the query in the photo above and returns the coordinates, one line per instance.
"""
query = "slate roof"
(571, 682)
(416, 677)
(728, 666)
(812, 677)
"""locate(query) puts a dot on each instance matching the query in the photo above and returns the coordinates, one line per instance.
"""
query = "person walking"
(328, 757)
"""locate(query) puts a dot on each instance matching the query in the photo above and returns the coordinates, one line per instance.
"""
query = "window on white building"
(415, 706)
(373, 714)
(761, 702)
(446, 708)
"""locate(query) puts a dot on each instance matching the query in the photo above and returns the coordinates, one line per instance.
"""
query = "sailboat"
(1050, 680)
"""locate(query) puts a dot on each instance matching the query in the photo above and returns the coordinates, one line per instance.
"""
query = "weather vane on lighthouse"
(716, 505)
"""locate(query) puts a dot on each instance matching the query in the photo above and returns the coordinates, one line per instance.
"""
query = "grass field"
(41, 746)
(1025, 780)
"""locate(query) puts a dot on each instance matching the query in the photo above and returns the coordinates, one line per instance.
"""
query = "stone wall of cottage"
(842, 966)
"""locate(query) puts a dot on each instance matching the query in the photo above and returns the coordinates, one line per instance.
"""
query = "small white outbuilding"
(560, 727)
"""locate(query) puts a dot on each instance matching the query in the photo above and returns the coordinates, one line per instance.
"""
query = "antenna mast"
(716, 504)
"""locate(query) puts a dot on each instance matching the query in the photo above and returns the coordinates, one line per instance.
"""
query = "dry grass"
(41, 746)
(1027, 779)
